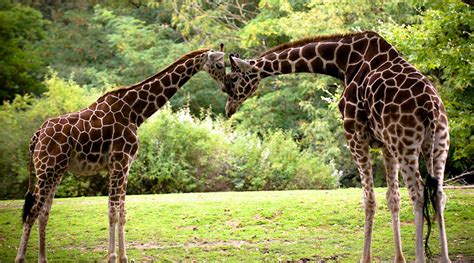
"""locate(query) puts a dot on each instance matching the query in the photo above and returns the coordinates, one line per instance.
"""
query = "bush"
(20, 120)
(276, 163)
(181, 153)
(178, 152)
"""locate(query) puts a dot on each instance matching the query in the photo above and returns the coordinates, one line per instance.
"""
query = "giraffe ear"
(239, 64)
(216, 56)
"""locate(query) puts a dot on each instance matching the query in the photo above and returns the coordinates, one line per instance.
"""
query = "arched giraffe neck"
(156, 92)
(138, 102)
(341, 57)
(319, 57)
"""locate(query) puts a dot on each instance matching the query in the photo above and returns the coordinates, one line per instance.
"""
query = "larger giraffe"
(386, 103)
(103, 136)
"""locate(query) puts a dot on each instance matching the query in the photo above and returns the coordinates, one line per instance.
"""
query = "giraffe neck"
(341, 56)
(139, 101)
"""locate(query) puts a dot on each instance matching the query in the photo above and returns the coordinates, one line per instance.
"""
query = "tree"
(21, 65)
(439, 42)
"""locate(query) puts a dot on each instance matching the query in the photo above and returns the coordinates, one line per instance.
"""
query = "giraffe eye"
(224, 89)
(234, 79)
(219, 66)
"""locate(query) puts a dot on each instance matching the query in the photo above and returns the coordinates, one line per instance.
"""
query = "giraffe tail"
(431, 182)
(29, 197)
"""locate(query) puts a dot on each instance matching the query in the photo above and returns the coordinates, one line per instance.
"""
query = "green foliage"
(21, 118)
(106, 48)
(287, 136)
(309, 112)
(21, 65)
(440, 43)
(435, 36)
(180, 153)
(281, 21)
(207, 22)
(271, 111)
(103, 48)
(276, 163)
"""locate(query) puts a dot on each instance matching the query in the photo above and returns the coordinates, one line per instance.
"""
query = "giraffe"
(103, 136)
(386, 103)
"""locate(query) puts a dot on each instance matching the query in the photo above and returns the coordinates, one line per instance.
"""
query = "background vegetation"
(58, 56)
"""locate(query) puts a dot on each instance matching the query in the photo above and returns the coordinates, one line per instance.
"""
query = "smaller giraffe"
(386, 103)
(103, 136)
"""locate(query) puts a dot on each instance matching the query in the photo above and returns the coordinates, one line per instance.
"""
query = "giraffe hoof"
(112, 258)
(20, 260)
(399, 259)
(124, 259)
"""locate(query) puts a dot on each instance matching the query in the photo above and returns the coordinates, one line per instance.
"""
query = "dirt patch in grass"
(192, 227)
(204, 244)
(234, 224)
(407, 222)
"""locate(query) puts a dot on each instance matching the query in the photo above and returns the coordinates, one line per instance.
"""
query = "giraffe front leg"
(113, 219)
(121, 231)
(393, 200)
(121, 223)
(117, 214)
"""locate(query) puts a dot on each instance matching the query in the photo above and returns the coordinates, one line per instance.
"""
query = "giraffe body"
(103, 136)
(386, 103)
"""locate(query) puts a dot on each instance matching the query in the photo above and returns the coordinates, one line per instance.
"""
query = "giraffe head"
(240, 83)
(215, 65)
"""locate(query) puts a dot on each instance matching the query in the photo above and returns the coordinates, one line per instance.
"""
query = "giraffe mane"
(157, 75)
(308, 40)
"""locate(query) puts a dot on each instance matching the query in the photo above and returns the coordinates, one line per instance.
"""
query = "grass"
(235, 226)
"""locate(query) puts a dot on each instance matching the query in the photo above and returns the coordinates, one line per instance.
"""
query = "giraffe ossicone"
(103, 136)
(386, 102)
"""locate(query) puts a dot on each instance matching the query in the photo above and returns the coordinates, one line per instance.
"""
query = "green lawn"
(235, 226)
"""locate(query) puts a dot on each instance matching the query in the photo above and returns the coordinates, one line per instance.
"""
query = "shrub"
(276, 163)
(181, 153)
(21, 118)
(178, 152)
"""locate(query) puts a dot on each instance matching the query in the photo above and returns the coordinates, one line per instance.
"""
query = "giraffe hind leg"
(360, 153)
(435, 180)
(42, 223)
(30, 213)
(411, 176)
(20, 255)
(393, 200)
(40, 197)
